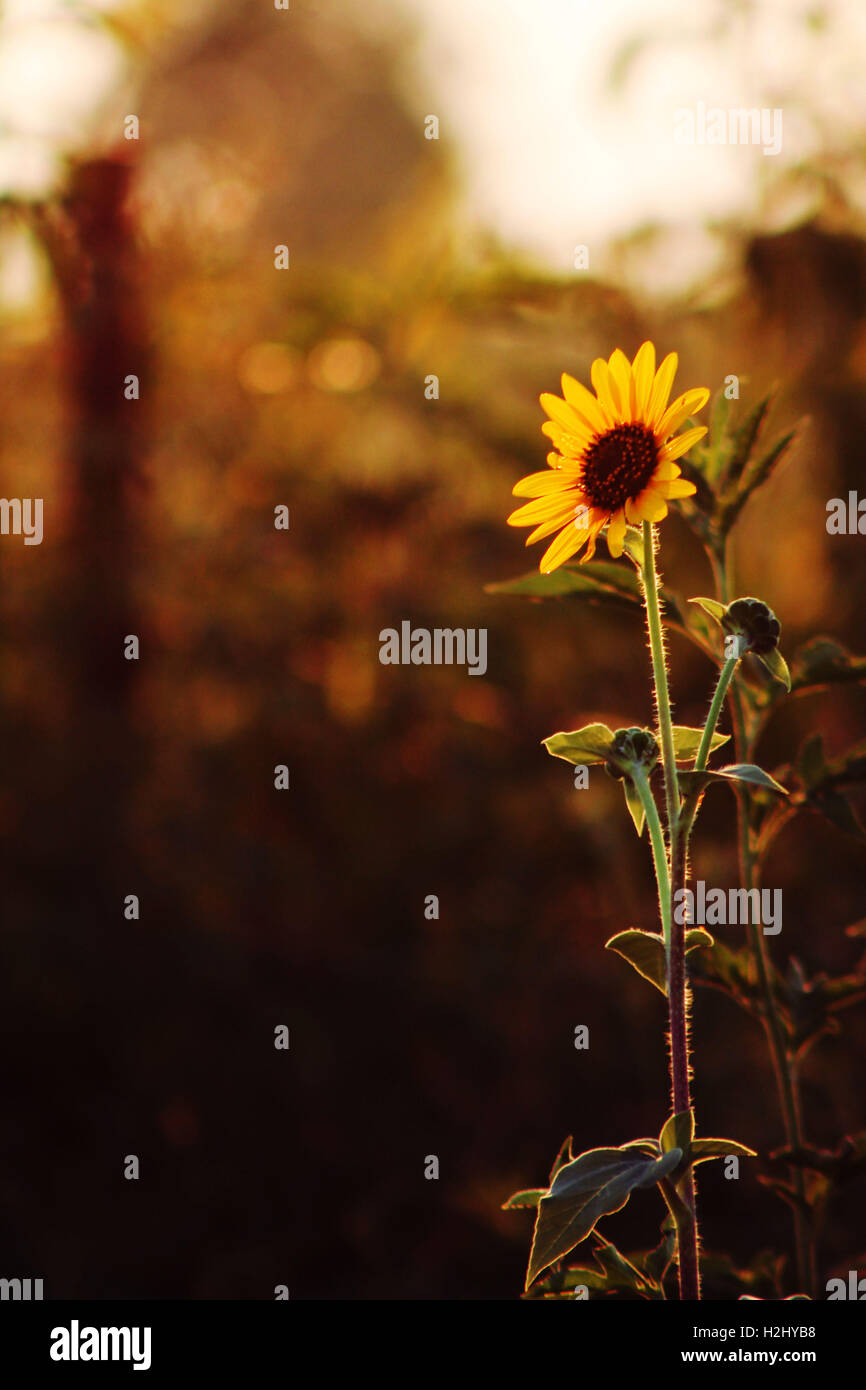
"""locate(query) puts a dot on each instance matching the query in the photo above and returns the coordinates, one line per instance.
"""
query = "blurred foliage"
(259, 647)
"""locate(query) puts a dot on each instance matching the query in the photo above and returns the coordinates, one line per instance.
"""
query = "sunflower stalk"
(668, 884)
(783, 1063)
(660, 858)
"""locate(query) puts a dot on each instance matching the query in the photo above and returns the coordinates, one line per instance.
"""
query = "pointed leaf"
(754, 476)
(620, 1272)
(598, 581)
(822, 662)
(564, 1156)
(592, 1186)
(712, 606)
(634, 804)
(735, 772)
(678, 1132)
(590, 744)
(529, 1198)
(745, 437)
(776, 665)
(632, 545)
(645, 951)
(687, 742)
(705, 1149)
(645, 1146)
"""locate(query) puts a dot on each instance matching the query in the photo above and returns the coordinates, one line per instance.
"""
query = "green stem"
(660, 676)
(784, 1065)
(692, 799)
(686, 1214)
(660, 858)
(719, 694)
(782, 1060)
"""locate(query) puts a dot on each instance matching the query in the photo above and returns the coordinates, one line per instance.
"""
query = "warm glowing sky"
(550, 157)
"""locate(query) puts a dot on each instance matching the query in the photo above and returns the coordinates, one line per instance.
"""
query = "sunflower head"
(613, 460)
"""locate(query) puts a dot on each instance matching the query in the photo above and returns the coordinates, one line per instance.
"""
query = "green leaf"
(718, 447)
(596, 581)
(822, 782)
(735, 772)
(678, 1133)
(776, 665)
(634, 804)
(705, 1149)
(620, 1272)
(645, 951)
(697, 936)
(839, 812)
(760, 469)
(613, 1273)
(745, 438)
(564, 1156)
(592, 1186)
(823, 662)
(529, 1198)
(811, 762)
(712, 606)
(632, 545)
(687, 742)
(757, 473)
(590, 744)
(644, 1146)
(561, 1283)
(599, 581)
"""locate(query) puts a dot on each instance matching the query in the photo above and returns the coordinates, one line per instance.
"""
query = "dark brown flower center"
(618, 465)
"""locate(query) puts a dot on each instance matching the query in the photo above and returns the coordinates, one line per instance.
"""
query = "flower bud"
(631, 748)
(753, 621)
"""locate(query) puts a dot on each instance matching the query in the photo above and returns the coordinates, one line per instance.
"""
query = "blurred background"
(409, 257)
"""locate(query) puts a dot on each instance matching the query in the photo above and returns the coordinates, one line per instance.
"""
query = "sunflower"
(613, 460)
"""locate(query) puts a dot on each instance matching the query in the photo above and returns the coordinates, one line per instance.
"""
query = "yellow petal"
(643, 372)
(590, 548)
(547, 528)
(558, 410)
(684, 406)
(663, 474)
(601, 380)
(566, 544)
(543, 509)
(620, 375)
(677, 487)
(585, 403)
(675, 448)
(540, 484)
(647, 506)
(569, 443)
(616, 533)
(661, 390)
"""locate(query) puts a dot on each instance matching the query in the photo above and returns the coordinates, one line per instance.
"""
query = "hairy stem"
(660, 858)
(686, 1214)
(784, 1065)
(719, 694)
